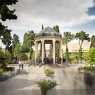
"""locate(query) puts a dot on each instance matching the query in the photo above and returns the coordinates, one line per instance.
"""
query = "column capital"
(54, 40)
(42, 40)
(35, 42)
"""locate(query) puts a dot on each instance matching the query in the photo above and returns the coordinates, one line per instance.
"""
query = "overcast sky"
(70, 15)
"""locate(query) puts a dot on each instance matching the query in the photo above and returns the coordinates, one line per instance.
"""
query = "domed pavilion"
(48, 46)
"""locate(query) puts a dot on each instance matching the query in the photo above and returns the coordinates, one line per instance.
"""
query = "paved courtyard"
(69, 80)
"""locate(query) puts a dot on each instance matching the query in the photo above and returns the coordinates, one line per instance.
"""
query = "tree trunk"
(67, 54)
(80, 51)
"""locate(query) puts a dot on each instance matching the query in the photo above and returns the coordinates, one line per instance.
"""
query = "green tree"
(6, 13)
(6, 38)
(23, 56)
(56, 28)
(91, 56)
(81, 36)
(15, 41)
(28, 42)
(2, 61)
(17, 50)
(5, 58)
(66, 39)
(92, 42)
(24, 49)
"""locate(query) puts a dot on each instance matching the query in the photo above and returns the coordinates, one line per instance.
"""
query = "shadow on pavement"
(5, 77)
(15, 86)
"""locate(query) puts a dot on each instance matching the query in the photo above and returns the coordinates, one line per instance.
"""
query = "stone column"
(61, 52)
(42, 51)
(53, 51)
(35, 52)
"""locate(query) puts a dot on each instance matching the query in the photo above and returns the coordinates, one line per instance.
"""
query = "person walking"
(20, 64)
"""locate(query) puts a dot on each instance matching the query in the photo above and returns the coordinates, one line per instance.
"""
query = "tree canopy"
(91, 56)
(28, 41)
(15, 40)
(6, 13)
(92, 42)
(66, 39)
(16, 46)
(81, 36)
(56, 28)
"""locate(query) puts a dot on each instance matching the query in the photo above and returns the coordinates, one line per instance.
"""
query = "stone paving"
(69, 80)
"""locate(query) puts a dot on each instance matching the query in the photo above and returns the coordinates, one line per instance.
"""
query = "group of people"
(20, 63)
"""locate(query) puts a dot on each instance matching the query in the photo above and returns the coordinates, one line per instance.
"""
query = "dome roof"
(48, 31)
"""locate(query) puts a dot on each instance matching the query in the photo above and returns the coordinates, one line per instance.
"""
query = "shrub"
(89, 68)
(46, 85)
(49, 72)
(85, 56)
(9, 69)
(1, 71)
(23, 56)
(8, 57)
(74, 58)
(5, 59)
(1, 53)
(91, 56)
(2, 59)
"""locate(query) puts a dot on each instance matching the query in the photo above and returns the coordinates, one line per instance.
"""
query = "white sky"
(65, 13)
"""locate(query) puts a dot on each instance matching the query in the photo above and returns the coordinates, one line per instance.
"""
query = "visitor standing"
(20, 64)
